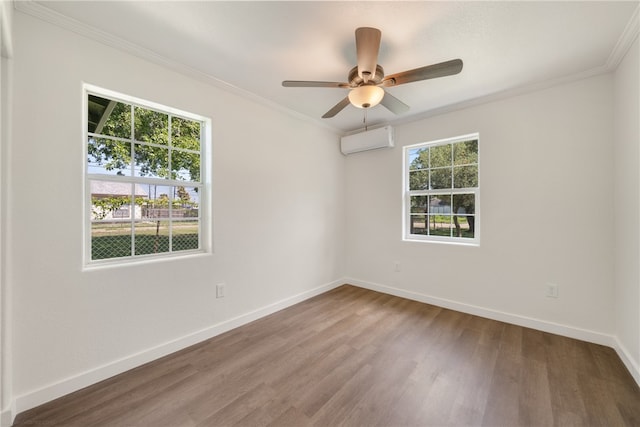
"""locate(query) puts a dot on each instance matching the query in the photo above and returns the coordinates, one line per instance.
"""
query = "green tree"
(465, 175)
(184, 196)
(178, 158)
(163, 200)
(102, 206)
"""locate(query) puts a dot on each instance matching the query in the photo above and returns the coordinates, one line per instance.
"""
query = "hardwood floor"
(353, 357)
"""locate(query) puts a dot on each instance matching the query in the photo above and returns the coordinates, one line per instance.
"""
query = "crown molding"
(505, 94)
(6, 21)
(39, 11)
(30, 7)
(624, 43)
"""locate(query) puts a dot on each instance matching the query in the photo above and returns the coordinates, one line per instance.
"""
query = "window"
(441, 196)
(145, 186)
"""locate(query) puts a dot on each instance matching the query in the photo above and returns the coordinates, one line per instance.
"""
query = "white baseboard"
(6, 417)
(515, 319)
(84, 379)
(68, 385)
(632, 365)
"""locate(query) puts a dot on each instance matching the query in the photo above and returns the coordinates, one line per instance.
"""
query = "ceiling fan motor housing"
(355, 80)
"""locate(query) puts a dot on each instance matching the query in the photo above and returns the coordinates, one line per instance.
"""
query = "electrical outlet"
(396, 266)
(552, 290)
(220, 288)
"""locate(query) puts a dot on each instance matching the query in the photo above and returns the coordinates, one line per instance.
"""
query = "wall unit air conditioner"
(369, 140)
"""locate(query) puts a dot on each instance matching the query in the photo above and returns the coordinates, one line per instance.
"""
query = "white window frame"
(204, 185)
(407, 193)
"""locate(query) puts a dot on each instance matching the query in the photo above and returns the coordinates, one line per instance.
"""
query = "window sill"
(474, 243)
(129, 262)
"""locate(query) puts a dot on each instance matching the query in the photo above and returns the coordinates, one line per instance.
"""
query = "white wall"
(627, 203)
(546, 175)
(6, 369)
(278, 219)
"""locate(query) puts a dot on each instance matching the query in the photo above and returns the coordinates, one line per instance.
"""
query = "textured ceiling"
(252, 46)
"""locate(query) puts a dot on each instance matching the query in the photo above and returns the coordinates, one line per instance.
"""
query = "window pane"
(185, 235)
(185, 134)
(418, 158)
(185, 166)
(440, 156)
(110, 239)
(464, 203)
(107, 197)
(108, 157)
(465, 177)
(440, 204)
(465, 153)
(418, 224)
(156, 206)
(151, 126)
(440, 225)
(464, 226)
(186, 202)
(419, 180)
(151, 161)
(419, 204)
(151, 237)
(440, 178)
(108, 117)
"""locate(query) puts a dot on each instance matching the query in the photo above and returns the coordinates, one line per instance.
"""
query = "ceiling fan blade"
(442, 69)
(393, 104)
(336, 108)
(305, 83)
(367, 47)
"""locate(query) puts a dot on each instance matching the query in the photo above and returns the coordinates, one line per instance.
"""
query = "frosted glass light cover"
(366, 96)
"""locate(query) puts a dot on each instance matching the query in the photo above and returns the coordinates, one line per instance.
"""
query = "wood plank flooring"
(354, 357)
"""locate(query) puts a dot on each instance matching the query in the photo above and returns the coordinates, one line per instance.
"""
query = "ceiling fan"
(367, 79)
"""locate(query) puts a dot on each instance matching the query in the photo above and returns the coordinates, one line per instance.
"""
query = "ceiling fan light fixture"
(366, 96)
(367, 80)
